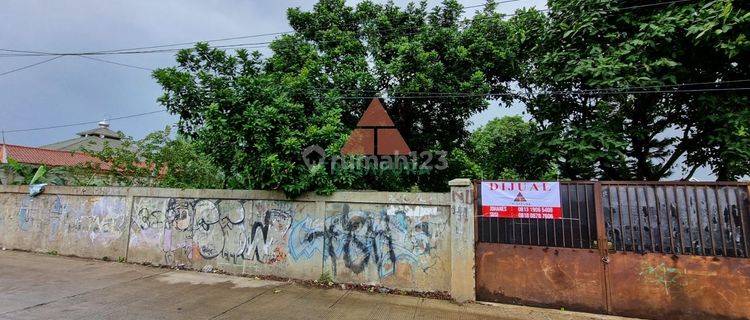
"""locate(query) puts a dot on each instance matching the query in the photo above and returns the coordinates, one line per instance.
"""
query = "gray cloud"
(74, 89)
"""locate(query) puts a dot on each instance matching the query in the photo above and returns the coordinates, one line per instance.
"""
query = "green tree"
(246, 121)
(178, 162)
(156, 161)
(254, 116)
(508, 148)
(590, 45)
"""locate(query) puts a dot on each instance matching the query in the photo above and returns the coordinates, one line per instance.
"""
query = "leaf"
(709, 4)
(726, 10)
(14, 164)
(39, 175)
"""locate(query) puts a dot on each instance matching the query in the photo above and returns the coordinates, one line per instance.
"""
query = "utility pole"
(4, 172)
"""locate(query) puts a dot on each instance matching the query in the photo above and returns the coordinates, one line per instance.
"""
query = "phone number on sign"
(522, 212)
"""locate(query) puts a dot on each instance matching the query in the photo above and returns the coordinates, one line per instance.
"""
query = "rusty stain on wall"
(549, 277)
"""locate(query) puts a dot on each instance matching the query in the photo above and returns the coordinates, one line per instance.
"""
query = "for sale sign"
(535, 200)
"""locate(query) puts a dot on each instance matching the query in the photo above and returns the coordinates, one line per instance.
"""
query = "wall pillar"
(462, 240)
(129, 199)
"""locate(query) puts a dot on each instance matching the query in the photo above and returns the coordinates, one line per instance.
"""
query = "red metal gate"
(653, 250)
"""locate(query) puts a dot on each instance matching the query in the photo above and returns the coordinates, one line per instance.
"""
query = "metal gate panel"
(538, 276)
(659, 250)
(659, 286)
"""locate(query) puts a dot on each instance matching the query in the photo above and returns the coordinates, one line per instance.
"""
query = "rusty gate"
(645, 249)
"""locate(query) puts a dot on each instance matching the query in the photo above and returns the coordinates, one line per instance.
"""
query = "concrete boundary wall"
(406, 241)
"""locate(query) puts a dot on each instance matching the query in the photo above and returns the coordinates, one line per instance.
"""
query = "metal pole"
(601, 236)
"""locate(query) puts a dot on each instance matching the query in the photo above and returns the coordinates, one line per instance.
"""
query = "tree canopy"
(642, 131)
(507, 148)
(255, 115)
(615, 90)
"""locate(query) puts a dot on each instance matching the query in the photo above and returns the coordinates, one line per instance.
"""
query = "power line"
(23, 53)
(83, 123)
(608, 89)
(653, 4)
(482, 5)
(454, 95)
(209, 41)
(27, 53)
(516, 94)
(615, 10)
(117, 63)
(255, 45)
(29, 66)
(139, 50)
(662, 88)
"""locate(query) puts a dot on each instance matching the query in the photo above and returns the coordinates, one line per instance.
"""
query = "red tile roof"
(55, 158)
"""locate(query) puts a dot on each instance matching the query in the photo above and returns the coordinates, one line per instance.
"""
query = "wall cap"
(351, 196)
(461, 182)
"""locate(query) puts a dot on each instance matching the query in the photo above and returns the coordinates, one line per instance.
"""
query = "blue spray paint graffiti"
(25, 216)
(300, 247)
(360, 239)
(102, 220)
(57, 214)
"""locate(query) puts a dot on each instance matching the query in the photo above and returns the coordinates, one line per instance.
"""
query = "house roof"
(90, 140)
(102, 132)
(40, 156)
(92, 143)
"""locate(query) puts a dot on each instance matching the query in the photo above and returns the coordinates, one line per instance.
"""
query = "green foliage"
(25, 174)
(590, 44)
(254, 116)
(119, 166)
(326, 278)
(248, 124)
(38, 175)
(155, 161)
(508, 148)
(178, 163)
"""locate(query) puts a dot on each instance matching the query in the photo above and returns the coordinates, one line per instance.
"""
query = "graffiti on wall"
(101, 220)
(381, 239)
(26, 214)
(231, 230)
(461, 200)
(361, 242)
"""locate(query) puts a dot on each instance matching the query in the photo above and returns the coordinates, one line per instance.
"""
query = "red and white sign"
(535, 200)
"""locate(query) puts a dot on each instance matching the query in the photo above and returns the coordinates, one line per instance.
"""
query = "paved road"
(37, 286)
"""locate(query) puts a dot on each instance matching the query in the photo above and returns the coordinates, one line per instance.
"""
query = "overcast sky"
(73, 89)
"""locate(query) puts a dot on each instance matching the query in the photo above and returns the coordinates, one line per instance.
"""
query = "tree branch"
(678, 151)
(690, 174)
